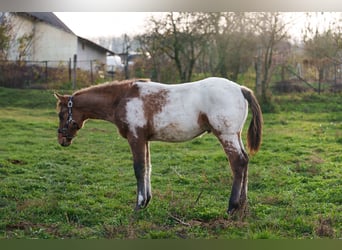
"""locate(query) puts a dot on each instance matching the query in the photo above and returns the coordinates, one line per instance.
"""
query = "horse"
(150, 111)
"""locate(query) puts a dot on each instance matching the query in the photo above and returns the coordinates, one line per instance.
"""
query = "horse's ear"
(56, 95)
(59, 97)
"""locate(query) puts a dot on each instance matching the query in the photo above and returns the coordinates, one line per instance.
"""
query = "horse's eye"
(61, 116)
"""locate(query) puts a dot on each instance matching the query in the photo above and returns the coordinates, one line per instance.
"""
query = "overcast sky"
(94, 24)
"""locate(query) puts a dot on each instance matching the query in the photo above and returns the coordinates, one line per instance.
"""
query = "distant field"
(88, 189)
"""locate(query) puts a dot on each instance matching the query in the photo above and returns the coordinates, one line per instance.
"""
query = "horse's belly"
(174, 132)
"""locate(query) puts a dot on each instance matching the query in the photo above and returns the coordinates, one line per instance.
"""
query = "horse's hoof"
(140, 207)
(231, 211)
(233, 206)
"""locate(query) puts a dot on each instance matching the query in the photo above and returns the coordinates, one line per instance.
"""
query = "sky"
(96, 24)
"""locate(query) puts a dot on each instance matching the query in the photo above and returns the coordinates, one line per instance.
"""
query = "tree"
(271, 30)
(150, 45)
(11, 43)
(5, 35)
(24, 45)
(180, 37)
(323, 48)
(233, 44)
(222, 44)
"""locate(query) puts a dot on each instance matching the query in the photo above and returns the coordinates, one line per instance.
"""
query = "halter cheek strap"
(70, 104)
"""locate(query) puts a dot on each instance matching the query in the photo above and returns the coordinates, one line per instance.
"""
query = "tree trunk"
(258, 73)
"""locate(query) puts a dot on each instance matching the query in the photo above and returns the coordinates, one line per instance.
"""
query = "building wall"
(47, 44)
(20, 27)
(53, 45)
(86, 53)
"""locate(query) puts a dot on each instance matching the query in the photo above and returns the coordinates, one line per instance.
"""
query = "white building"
(42, 36)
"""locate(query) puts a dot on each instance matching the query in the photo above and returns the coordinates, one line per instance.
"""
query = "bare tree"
(233, 44)
(5, 35)
(24, 45)
(150, 45)
(220, 43)
(271, 30)
(181, 38)
(222, 26)
(13, 43)
(321, 51)
(322, 47)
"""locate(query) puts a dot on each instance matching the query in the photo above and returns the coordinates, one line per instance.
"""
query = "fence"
(52, 74)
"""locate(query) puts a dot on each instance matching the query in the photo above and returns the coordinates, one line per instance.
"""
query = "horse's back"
(209, 86)
(204, 95)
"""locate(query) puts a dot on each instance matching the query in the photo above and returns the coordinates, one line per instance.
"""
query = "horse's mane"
(117, 87)
(103, 87)
(108, 86)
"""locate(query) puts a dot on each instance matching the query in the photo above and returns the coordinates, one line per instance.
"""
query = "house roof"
(49, 18)
(95, 45)
(52, 19)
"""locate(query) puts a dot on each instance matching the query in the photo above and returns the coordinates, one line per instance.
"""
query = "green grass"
(88, 189)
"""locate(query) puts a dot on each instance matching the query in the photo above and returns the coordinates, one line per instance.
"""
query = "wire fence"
(52, 74)
(73, 74)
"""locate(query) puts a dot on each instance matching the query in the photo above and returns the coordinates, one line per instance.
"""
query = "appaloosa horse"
(150, 111)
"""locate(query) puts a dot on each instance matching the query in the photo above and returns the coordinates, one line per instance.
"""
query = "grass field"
(88, 189)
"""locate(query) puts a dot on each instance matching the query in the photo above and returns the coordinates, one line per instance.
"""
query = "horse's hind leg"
(148, 173)
(243, 196)
(238, 160)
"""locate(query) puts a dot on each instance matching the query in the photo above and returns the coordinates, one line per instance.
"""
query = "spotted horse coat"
(150, 111)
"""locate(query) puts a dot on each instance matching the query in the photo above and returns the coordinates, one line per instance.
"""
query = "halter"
(70, 104)
(64, 130)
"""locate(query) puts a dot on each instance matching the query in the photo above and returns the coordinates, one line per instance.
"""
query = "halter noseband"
(64, 130)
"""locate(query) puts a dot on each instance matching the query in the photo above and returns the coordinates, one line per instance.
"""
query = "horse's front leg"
(138, 148)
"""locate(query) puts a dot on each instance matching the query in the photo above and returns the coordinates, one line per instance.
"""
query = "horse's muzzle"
(64, 141)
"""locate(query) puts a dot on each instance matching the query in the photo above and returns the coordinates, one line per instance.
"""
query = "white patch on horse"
(135, 115)
(140, 198)
(150, 88)
(177, 120)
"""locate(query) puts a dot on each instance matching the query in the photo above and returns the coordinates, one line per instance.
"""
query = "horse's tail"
(255, 127)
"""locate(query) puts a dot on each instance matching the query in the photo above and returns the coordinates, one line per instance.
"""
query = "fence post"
(69, 70)
(74, 72)
(112, 73)
(46, 71)
(91, 72)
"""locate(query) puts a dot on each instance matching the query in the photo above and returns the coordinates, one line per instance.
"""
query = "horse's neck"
(96, 105)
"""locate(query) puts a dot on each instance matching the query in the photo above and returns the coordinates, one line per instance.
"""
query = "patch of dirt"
(325, 228)
(315, 160)
(212, 225)
(16, 162)
(30, 227)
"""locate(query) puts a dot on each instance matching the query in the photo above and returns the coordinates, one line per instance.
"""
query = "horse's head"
(70, 119)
